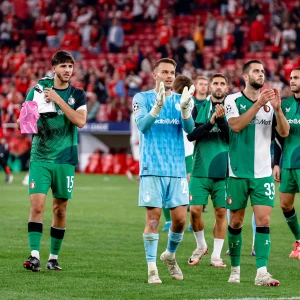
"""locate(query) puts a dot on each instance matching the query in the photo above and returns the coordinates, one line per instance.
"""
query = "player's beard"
(295, 89)
(254, 84)
(218, 96)
(61, 78)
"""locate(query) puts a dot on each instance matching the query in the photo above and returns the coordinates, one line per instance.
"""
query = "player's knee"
(153, 224)
(196, 211)
(179, 223)
(36, 210)
(285, 206)
(59, 212)
(263, 221)
(220, 213)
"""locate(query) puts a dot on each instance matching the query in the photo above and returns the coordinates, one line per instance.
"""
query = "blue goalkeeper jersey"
(161, 138)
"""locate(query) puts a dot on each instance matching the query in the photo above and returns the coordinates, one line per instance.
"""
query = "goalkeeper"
(160, 115)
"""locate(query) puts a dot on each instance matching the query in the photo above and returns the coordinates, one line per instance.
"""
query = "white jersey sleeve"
(231, 109)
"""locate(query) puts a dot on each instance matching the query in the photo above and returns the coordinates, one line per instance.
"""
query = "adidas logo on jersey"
(295, 121)
(167, 121)
(261, 122)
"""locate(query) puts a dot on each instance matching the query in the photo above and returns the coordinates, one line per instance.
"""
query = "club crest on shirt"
(177, 106)
(267, 108)
(32, 185)
(229, 201)
(71, 100)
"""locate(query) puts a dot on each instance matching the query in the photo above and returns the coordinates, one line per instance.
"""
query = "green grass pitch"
(103, 257)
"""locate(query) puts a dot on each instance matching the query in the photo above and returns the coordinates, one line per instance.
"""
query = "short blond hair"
(165, 60)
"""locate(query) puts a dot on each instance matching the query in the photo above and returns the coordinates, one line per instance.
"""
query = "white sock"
(261, 271)
(199, 236)
(53, 256)
(35, 253)
(218, 245)
(236, 269)
(170, 255)
(152, 266)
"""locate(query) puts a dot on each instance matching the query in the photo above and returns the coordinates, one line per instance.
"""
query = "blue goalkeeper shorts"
(168, 192)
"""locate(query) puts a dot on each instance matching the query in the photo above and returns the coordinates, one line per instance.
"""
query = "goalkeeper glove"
(160, 101)
(185, 100)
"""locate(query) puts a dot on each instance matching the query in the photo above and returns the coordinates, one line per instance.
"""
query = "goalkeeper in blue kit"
(160, 115)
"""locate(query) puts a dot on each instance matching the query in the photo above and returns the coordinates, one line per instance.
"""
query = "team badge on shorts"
(229, 201)
(190, 197)
(71, 100)
(32, 185)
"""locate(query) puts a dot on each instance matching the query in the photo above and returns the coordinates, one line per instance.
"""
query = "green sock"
(35, 232)
(56, 239)
(262, 246)
(294, 226)
(235, 245)
(167, 215)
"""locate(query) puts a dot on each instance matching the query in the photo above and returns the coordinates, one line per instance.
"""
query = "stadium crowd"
(116, 42)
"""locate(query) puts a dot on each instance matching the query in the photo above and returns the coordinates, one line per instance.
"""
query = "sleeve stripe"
(82, 107)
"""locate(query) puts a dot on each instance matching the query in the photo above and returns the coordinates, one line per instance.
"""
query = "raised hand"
(266, 96)
(220, 111)
(185, 101)
(276, 101)
(161, 96)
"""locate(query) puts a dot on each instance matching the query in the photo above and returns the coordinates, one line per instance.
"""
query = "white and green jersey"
(291, 148)
(249, 149)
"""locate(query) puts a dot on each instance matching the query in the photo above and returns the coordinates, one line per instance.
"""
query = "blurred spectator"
(280, 13)
(295, 13)
(210, 29)
(85, 14)
(223, 27)
(277, 83)
(92, 107)
(276, 40)
(238, 35)
(181, 54)
(40, 27)
(114, 13)
(7, 8)
(121, 4)
(199, 41)
(60, 18)
(96, 37)
(223, 6)
(137, 10)
(148, 63)
(257, 34)
(255, 8)
(115, 37)
(71, 42)
(228, 45)
(298, 36)
(152, 7)
(126, 19)
(85, 32)
(288, 35)
(183, 7)
(133, 81)
(5, 32)
(52, 33)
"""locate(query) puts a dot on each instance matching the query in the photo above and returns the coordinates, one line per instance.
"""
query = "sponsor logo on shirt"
(215, 129)
(167, 121)
(295, 121)
(261, 122)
